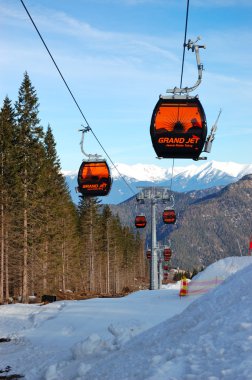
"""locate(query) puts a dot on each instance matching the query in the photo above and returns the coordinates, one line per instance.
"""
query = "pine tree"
(89, 238)
(57, 240)
(106, 248)
(47, 244)
(6, 164)
(29, 152)
(50, 189)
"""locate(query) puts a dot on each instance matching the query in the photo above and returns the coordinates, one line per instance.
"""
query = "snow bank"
(211, 339)
(148, 335)
(216, 273)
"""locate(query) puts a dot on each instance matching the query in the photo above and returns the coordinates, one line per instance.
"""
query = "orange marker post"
(183, 287)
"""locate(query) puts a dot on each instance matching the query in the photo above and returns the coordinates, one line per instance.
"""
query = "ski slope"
(154, 335)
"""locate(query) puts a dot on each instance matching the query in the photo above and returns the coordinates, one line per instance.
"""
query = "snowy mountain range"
(127, 178)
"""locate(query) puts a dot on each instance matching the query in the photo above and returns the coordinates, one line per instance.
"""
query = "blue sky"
(117, 57)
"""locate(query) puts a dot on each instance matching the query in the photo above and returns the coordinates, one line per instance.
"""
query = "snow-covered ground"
(154, 335)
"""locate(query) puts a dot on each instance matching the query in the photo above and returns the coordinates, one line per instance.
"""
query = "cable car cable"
(73, 97)
(48, 51)
(172, 174)
(184, 45)
(182, 71)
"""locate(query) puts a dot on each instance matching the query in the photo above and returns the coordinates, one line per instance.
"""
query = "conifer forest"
(48, 244)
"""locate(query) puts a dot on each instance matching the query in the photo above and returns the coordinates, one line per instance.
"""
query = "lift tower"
(154, 195)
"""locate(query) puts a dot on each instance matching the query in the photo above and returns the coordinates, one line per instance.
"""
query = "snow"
(150, 334)
(142, 172)
(232, 168)
(70, 173)
(153, 173)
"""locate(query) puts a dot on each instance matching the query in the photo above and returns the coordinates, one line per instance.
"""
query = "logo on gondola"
(193, 140)
(90, 186)
(95, 186)
(179, 140)
(103, 186)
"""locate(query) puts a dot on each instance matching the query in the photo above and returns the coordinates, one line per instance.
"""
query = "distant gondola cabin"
(165, 276)
(167, 254)
(94, 178)
(148, 254)
(178, 127)
(169, 216)
(140, 221)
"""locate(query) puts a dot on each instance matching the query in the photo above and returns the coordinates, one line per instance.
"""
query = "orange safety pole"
(183, 287)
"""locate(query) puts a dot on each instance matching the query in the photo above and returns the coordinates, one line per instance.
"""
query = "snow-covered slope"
(192, 177)
(148, 335)
(210, 339)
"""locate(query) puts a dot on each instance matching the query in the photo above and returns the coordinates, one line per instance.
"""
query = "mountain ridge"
(184, 178)
(211, 224)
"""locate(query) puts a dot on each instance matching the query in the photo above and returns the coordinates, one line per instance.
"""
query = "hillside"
(212, 227)
(210, 223)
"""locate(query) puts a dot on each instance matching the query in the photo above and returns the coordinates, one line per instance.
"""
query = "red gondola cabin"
(167, 254)
(169, 216)
(148, 254)
(165, 276)
(140, 221)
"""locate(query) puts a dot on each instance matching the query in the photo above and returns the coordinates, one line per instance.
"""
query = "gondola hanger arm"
(171, 201)
(191, 45)
(90, 156)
